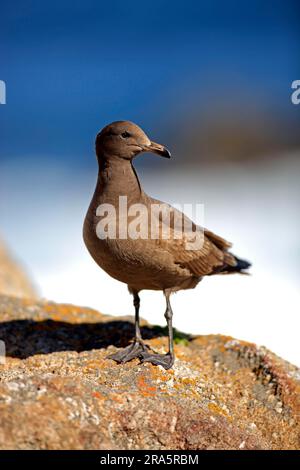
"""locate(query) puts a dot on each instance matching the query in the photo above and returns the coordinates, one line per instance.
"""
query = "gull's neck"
(117, 177)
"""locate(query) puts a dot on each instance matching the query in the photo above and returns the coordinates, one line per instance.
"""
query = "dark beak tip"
(159, 149)
(167, 153)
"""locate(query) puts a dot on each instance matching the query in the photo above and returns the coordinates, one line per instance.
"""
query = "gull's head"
(126, 140)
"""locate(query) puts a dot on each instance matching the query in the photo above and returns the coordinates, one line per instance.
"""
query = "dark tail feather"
(241, 267)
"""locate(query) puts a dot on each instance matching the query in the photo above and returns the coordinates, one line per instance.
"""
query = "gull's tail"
(240, 267)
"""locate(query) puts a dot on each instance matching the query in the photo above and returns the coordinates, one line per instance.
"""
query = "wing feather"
(210, 257)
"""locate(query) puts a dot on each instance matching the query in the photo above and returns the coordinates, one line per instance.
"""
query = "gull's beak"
(158, 149)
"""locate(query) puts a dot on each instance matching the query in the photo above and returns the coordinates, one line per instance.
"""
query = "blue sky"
(71, 67)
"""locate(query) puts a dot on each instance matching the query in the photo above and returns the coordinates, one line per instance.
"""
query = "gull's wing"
(192, 247)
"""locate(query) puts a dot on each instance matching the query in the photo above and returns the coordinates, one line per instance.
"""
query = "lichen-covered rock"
(13, 280)
(58, 390)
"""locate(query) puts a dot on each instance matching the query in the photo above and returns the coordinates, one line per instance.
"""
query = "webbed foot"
(136, 349)
(164, 360)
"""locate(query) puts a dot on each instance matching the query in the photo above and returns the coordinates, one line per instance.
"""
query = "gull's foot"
(136, 349)
(165, 360)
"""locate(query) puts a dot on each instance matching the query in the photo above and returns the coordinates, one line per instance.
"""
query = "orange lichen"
(218, 410)
(70, 313)
(144, 388)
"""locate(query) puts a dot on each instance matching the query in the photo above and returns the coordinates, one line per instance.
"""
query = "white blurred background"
(256, 206)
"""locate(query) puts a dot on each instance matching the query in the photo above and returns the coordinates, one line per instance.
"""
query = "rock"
(13, 280)
(58, 390)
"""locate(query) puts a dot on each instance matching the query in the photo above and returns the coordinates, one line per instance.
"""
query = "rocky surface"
(58, 390)
(13, 280)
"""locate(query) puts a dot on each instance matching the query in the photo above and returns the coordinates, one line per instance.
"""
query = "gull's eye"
(125, 135)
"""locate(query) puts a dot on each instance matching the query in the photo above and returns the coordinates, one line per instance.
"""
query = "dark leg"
(137, 347)
(137, 303)
(165, 360)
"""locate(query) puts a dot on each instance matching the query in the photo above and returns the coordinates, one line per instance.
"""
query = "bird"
(164, 263)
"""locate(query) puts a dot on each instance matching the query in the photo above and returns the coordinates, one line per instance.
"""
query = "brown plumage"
(146, 263)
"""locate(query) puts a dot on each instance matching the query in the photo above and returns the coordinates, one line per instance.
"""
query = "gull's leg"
(137, 347)
(165, 360)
